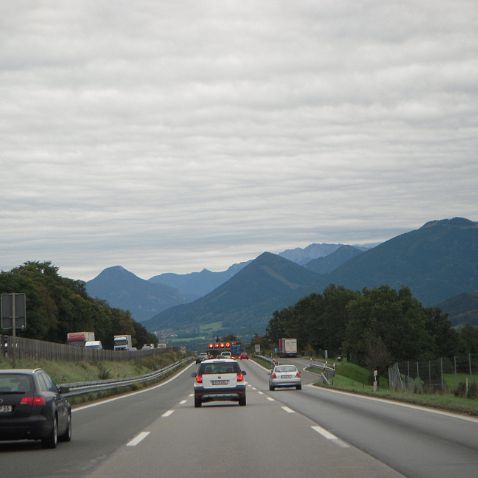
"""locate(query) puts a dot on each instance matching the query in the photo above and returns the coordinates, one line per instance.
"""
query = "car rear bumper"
(216, 394)
(285, 383)
(28, 428)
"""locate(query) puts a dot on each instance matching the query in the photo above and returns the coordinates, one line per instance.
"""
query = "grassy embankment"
(71, 372)
(353, 378)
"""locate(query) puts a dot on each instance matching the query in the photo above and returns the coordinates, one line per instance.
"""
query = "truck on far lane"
(122, 342)
(287, 347)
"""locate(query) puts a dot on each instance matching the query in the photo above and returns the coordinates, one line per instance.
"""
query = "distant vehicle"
(236, 350)
(202, 356)
(79, 339)
(288, 347)
(219, 379)
(32, 408)
(122, 342)
(147, 347)
(282, 376)
(94, 345)
(226, 354)
(243, 356)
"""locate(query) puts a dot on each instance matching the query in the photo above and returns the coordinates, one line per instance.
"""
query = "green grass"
(353, 378)
(70, 372)
(210, 326)
(452, 380)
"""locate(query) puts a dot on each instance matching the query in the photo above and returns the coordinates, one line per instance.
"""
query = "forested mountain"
(436, 262)
(324, 265)
(462, 308)
(57, 305)
(123, 289)
(197, 284)
(245, 302)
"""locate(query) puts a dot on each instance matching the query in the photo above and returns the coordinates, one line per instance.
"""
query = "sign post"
(13, 315)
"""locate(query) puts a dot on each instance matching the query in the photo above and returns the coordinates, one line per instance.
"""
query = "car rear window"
(15, 383)
(286, 368)
(219, 367)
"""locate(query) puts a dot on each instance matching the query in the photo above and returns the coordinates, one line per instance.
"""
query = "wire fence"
(442, 374)
(22, 348)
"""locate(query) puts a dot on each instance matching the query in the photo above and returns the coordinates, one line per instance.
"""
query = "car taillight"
(33, 401)
(198, 378)
(240, 377)
(297, 374)
(274, 375)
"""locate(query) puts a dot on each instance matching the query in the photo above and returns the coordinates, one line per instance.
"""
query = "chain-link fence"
(443, 374)
(20, 348)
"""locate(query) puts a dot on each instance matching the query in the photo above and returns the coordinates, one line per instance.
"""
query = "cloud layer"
(170, 136)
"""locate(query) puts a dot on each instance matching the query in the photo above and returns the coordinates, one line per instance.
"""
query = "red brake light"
(297, 374)
(33, 401)
(240, 377)
(274, 375)
(198, 378)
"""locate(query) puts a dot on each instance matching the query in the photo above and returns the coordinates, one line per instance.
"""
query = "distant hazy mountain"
(324, 265)
(437, 261)
(246, 301)
(124, 290)
(197, 284)
(462, 308)
(307, 254)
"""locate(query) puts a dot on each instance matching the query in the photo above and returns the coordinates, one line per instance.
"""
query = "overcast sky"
(168, 136)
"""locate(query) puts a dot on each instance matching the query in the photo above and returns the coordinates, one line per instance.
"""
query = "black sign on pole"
(13, 310)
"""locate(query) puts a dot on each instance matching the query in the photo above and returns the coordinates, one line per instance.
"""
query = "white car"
(219, 379)
(226, 355)
(282, 376)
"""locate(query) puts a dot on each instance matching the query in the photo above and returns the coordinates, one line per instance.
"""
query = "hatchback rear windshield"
(14, 383)
(219, 367)
(286, 368)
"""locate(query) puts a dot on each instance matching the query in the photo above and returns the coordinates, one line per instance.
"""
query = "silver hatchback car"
(285, 376)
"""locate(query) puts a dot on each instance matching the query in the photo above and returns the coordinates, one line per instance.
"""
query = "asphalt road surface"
(287, 433)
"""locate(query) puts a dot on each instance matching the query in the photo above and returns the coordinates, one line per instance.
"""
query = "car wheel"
(68, 432)
(271, 388)
(299, 387)
(242, 402)
(52, 439)
(197, 403)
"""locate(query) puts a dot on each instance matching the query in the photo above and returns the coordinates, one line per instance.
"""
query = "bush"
(460, 390)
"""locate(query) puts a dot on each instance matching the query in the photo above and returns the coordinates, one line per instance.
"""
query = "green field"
(210, 327)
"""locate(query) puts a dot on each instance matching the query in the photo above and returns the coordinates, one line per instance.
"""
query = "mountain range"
(437, 261)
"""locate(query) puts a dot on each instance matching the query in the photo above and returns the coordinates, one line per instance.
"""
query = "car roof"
(20, 370)
(219, 360)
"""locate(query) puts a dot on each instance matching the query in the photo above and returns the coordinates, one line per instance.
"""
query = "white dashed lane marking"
(270, 399)
(326, 434)
(287, 409)
(167, 414)
(182, 402)
(138, 438)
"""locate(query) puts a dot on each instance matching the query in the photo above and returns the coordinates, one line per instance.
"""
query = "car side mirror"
(193, 374)
(243, 372)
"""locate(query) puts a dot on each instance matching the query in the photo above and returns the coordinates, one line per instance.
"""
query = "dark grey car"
(32, 407)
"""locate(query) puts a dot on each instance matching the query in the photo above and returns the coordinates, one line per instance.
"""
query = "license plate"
(286, 376)
(5, 408)
(219, 382)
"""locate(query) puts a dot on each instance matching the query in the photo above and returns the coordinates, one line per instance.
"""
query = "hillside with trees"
(373, 327)
(58, 305)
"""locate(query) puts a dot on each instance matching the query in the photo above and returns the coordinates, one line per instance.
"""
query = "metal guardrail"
(82, 388)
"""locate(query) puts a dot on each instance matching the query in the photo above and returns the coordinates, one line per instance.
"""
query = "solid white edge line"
(138, 438)
(168, 413)
(398, 404)
(287, 409)
(79, 409)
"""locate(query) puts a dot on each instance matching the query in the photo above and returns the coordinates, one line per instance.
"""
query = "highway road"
(312, 432)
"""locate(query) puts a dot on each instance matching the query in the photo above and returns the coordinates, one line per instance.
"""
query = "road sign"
(13, 309)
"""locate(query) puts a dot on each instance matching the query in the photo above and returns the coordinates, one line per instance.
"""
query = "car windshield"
(286, 368)
(14, 383)
(219, 367)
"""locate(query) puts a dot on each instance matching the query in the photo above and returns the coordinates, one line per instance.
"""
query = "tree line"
(373, 327)
(57, 305)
